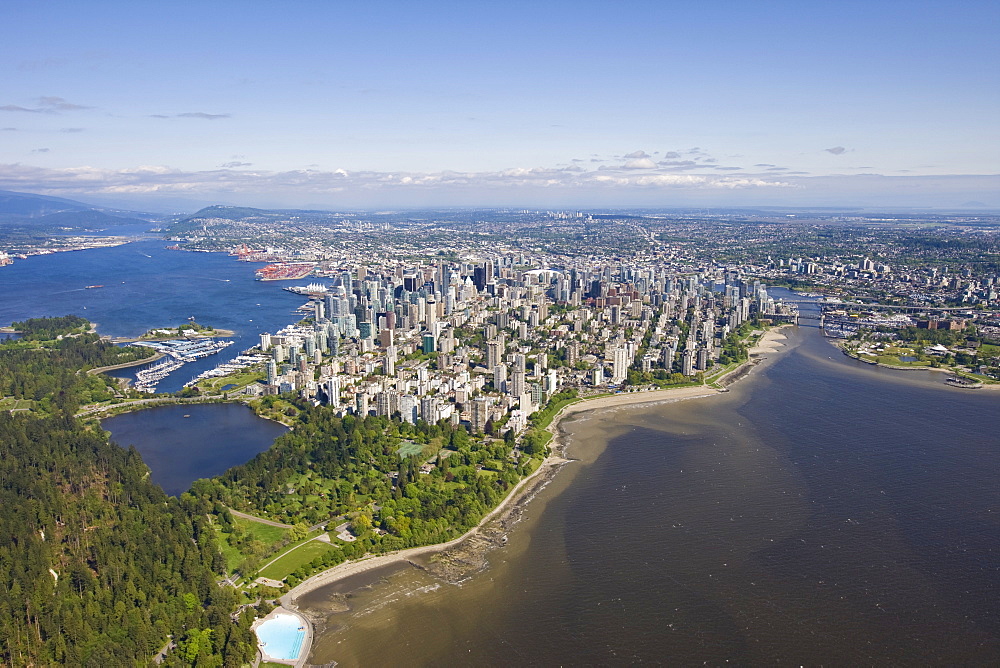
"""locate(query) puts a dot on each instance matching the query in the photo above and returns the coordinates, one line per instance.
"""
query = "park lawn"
(294, 559)
(533, 464)
(410, 449)
(720, 370)
(10, 404)
(549, 412)
(989, 349)
(232, 555)
(239, 379)
(265, 533)
(895, 361)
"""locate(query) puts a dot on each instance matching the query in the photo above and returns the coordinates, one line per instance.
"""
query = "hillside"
(28, 211)
(98, 566)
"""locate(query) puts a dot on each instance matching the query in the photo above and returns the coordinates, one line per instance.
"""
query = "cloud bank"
(649, 184)
(310, 182)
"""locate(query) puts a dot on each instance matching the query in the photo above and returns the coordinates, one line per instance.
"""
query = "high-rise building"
(518, 384)
(499, 376)
(408, 408)
(332, 389)
(494, 352)
(430, 409)
(620, 364)
(687, 362)
(479, 414)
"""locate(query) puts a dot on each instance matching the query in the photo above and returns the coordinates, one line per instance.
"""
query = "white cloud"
(555, 186)
(640, 163)
(160, 179)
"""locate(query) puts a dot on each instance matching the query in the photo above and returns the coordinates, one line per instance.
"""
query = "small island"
(188, 330)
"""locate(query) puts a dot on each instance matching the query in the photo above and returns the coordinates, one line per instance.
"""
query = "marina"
(178, 354)
(234, 365)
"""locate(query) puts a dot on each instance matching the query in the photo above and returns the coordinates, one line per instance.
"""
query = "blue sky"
(526, 103)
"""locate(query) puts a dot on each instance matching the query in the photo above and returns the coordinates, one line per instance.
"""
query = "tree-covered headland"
(98, 566)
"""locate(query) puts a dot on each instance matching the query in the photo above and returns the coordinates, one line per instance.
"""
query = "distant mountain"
(229, 213)
(39, 212)
(245, 212)
(215, 215)
(91, 218)
(30, 205)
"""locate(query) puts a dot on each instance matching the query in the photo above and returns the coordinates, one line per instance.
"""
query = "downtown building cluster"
(488, 340)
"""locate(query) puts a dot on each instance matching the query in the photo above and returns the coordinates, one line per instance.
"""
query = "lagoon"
(182, 443)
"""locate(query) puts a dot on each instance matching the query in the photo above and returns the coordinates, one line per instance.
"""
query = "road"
(254, 518)
(146, 402)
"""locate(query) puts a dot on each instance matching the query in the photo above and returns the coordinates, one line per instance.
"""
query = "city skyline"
(562, 104)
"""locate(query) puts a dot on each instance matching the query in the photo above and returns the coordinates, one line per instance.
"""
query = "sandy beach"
(770, 342)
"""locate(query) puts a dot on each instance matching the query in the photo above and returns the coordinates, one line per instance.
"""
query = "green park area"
(238, 381)
(294, 558)
(14, 404)
(248, 540)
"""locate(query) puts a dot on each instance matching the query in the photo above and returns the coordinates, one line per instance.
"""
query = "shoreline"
(770, 341)
(197, 336)
(126, 365)
(838, 343)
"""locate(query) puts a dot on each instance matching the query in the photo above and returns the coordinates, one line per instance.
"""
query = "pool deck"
(306, 641)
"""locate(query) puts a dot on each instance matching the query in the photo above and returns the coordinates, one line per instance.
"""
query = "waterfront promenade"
(92, 410)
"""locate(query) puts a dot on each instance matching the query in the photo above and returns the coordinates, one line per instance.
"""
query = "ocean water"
(145, 286)
(823, 512)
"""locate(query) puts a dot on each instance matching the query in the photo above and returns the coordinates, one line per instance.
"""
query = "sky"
(556, 104)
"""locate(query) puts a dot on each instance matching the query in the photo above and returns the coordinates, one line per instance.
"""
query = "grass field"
(240, 380)
(410, 449)
(290, 561)
(265, 533)
(10, 404)
(232, 555)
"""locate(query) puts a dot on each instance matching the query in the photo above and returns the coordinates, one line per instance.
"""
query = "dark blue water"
(183, 443)
(824, 512)
(146, 286)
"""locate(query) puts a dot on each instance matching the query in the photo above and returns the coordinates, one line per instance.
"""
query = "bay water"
(823, 512)
(144, 285)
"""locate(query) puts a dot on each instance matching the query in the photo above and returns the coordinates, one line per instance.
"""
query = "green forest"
(47, 365)
(368, 471)
(98, 566)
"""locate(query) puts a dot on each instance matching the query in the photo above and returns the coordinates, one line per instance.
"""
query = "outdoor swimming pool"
(281, 637)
